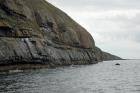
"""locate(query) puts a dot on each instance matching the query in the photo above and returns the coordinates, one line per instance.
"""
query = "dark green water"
(104, 77)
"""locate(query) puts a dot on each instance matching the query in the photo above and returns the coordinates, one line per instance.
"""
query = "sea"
(104, 77)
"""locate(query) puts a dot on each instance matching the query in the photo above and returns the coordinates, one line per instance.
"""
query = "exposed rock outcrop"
(34, 31)
(104, 56)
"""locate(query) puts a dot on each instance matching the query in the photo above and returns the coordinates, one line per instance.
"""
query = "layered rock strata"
(36, 32)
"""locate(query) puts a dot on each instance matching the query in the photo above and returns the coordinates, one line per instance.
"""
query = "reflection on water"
(103, 77)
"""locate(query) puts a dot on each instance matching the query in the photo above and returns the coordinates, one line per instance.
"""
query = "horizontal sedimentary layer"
(24, 50)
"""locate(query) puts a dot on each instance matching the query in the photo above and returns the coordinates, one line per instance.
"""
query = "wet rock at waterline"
(117, 64)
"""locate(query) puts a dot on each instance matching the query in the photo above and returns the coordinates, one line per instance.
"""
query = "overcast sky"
(114, 24)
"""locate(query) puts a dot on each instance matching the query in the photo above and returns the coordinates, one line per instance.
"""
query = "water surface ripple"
(103, 77)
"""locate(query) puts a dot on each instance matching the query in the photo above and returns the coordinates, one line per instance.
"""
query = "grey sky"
(114, 24)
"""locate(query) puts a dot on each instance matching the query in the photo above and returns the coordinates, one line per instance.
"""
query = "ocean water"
(105, 77)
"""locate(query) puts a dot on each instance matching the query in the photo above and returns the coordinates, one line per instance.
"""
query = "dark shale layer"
(36, 32)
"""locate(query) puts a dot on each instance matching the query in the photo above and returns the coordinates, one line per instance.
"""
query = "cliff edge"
(36, 32)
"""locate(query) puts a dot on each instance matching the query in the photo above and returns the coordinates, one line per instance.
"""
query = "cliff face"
(34, 31)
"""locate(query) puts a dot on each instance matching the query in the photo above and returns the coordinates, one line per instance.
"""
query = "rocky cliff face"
(34, 31)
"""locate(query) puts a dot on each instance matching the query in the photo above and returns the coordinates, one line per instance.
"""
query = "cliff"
(36, 32)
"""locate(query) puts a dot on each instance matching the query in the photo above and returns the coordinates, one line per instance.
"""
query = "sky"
(114, 24)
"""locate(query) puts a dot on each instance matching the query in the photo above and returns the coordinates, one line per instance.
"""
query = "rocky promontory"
(36, 32)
